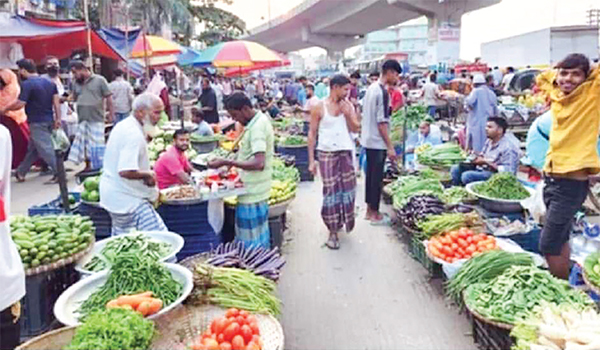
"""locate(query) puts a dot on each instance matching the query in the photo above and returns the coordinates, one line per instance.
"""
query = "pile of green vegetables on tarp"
(132, 273)
(455, 195)
(502, 186)
(113, 329)
(446, 154)
(558, 327)
(591, 267)
(407, 186)
(292, 140)
(513, 295)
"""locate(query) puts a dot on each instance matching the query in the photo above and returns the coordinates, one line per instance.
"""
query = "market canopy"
(41, 38)
(152, 46)
(187, 56)
(235, 54)
(240, 71)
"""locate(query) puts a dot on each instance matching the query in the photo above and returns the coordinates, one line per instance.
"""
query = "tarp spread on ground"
(40, 38)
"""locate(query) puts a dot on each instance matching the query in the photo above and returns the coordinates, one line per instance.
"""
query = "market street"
(368, 295)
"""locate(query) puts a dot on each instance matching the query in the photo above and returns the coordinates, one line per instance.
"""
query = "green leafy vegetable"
(591, 267)
(502, 186)
(407, 186)
(436, 224)
(282, 172)
(455, 195)
(113, 329)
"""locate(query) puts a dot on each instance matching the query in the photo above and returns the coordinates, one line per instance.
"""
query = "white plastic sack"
(216, 214)
(60, 140)
(535, 204)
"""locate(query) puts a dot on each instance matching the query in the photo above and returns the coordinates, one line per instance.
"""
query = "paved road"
(368, 295)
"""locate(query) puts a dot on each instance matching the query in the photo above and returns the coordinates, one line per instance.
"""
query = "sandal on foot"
(332, 244)
(385, 221)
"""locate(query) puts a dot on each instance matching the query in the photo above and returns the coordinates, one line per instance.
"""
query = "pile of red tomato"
(460, 244)
(237, 330)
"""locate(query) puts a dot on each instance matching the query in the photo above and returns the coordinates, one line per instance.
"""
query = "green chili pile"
(132, 274)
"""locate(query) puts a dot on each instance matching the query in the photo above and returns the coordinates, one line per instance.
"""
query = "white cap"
(478, 79)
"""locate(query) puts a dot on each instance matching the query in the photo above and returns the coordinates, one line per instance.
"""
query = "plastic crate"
(191, 222)
(529, 241)
(276, 230)
(54, 207)
(42, 291)
(100, 217)
(488, 336)
(300, 153)
(417, 250)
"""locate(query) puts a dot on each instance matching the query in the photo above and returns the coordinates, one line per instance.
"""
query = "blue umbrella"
(188, 57)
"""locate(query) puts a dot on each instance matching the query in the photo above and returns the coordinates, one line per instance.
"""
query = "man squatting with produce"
(333, 120)
(12, 274)
(375, 138)
(572, 158)
(127, 184)
(499, 154)
(255, 158)
(172, 167)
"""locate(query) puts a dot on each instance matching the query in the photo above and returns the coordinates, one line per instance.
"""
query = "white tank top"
(333, 133)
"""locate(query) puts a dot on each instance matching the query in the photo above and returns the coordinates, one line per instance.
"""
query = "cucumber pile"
(45, 239)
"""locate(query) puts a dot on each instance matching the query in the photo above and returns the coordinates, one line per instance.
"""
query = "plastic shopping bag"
(60, 140)
(535, 204)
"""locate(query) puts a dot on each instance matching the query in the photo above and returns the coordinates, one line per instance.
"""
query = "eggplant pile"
(418, 208)
(262, 262)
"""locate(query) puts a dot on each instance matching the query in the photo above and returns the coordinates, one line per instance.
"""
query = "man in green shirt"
(254, 160)
(90, 93)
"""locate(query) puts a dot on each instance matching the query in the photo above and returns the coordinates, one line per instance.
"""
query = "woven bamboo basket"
(175, 330)
(481, 318)
(62, 262)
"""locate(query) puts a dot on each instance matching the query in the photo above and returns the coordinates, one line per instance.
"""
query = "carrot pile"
(460, 244)
(143, 303)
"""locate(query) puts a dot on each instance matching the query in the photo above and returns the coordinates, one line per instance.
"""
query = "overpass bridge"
(339, 24)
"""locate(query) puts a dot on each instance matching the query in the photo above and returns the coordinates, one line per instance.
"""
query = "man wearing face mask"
(255, 162)
(90, 92)
(127, 185)
(42, 106)
(172, 167)
(52, 70)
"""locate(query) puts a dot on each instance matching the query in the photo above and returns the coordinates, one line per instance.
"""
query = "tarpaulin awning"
(119, 40)
(187, 56)
(41, 38)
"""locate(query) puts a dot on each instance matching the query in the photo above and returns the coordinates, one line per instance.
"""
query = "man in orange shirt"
(572, 159)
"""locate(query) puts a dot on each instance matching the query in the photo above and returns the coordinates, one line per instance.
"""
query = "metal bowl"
(497, 205)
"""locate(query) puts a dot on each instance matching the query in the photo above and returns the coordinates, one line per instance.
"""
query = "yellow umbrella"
(152, 46)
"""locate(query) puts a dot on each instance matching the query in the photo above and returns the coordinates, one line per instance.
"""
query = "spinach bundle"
(502, 186)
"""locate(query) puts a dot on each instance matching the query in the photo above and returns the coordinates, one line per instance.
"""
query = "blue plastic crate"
(300, 153)
(100, 218)
(529, 241)
(54, 207)
(191, 222)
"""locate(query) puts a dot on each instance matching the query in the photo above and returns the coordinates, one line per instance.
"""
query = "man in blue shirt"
(40, 98)
(500, 154)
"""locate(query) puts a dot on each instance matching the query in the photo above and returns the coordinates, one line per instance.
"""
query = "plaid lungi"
(88, 135)
(252, 224)
(142, 218)
(339, 189)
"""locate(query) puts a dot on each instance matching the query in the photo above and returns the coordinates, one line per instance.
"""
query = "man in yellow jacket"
(572, 159)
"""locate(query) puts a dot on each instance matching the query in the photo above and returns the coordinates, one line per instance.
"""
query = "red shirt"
(168, 165)
(396, 99)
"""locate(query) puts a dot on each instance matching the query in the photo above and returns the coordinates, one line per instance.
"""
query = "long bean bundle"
(513, 295)
(231, 287)
(132, 274)
(436, 224)
(483, 268)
